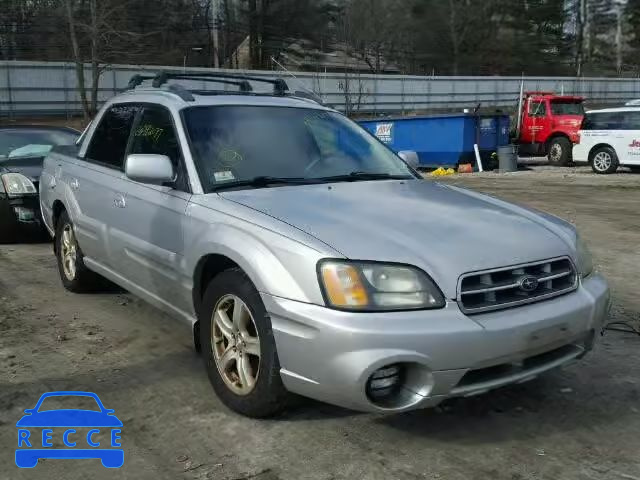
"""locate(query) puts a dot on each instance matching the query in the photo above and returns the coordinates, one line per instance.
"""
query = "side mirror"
(410, 157)
(149, 168)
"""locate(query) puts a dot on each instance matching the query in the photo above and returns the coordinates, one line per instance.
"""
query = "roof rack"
(163, 77)
(182, 92)
(137, 80)
(280, 87)
(242, 81)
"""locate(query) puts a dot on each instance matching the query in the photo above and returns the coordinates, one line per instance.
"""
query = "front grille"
(511, 286)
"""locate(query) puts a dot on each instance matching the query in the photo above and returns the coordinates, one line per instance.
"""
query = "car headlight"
(17, 184)
(370, 286)
(584, 259)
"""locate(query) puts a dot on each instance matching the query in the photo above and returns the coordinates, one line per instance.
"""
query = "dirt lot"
(579, 423)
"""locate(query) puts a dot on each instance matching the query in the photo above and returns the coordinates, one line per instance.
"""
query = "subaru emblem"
(528, 283)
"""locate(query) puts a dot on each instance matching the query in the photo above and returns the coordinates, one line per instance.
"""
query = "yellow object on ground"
(441, 172)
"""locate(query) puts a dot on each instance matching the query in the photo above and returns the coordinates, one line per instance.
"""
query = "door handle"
(74, 184)
(119, 201)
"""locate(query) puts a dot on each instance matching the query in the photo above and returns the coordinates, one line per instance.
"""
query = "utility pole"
(215, 39)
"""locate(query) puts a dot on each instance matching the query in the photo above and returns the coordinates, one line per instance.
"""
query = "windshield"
(32, 143)
(240, 143)
(559, 107)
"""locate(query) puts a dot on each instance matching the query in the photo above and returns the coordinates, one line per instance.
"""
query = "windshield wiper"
(262, 182)
(363, 176)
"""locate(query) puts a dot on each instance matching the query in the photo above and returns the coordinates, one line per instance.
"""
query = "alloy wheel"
(69, 252)
(602, 161)
(235, 344)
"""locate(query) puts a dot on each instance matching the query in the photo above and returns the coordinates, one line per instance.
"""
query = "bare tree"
(458, 31)
(370, 28)
(77, 56)
(104, 28)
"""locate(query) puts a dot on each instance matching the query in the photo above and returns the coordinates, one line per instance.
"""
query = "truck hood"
(446, 231)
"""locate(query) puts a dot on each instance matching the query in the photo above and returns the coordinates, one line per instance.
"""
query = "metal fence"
(50, 88)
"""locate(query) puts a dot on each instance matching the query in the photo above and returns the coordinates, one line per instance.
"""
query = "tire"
(256, 390)
(604, 160)
(75, 276)
(559, 151)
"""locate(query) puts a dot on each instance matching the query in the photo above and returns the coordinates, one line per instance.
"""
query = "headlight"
(584, 259)
(17, 184)
(369, 286)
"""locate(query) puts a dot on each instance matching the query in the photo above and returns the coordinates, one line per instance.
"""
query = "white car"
(609, 138)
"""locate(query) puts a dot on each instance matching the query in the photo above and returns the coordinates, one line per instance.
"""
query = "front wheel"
(604, 160)
(238, 347)
(559, 151)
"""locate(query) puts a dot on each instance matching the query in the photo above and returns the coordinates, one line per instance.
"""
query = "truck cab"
(549, 125)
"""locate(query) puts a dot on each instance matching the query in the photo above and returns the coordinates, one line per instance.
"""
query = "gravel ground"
(579, 423)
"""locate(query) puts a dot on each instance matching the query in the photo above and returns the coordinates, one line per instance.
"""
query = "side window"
(590, 122)
(537, 109)
(631, 121)
(607, 121)
(155, 134)
(109, 143)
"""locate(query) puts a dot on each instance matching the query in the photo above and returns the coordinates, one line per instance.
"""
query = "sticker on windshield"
(229, 157)
(223, 176)
(384, 132)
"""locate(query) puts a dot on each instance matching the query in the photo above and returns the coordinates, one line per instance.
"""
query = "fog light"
(384, 382)
(24, 214)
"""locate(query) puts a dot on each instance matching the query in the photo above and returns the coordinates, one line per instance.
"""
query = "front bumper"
(21, 215)
(330, 355)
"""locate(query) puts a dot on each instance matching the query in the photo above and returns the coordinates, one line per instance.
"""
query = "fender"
(276, 265)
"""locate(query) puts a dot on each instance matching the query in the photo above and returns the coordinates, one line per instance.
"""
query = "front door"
(537, 125)
(150, 228)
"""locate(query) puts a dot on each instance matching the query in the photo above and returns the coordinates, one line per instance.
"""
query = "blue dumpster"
(445, 139)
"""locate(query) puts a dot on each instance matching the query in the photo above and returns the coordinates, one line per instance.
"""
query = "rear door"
(628, 147)
(94, 180)
(149, 224)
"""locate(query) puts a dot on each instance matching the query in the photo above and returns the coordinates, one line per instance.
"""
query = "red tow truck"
(548, 124)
